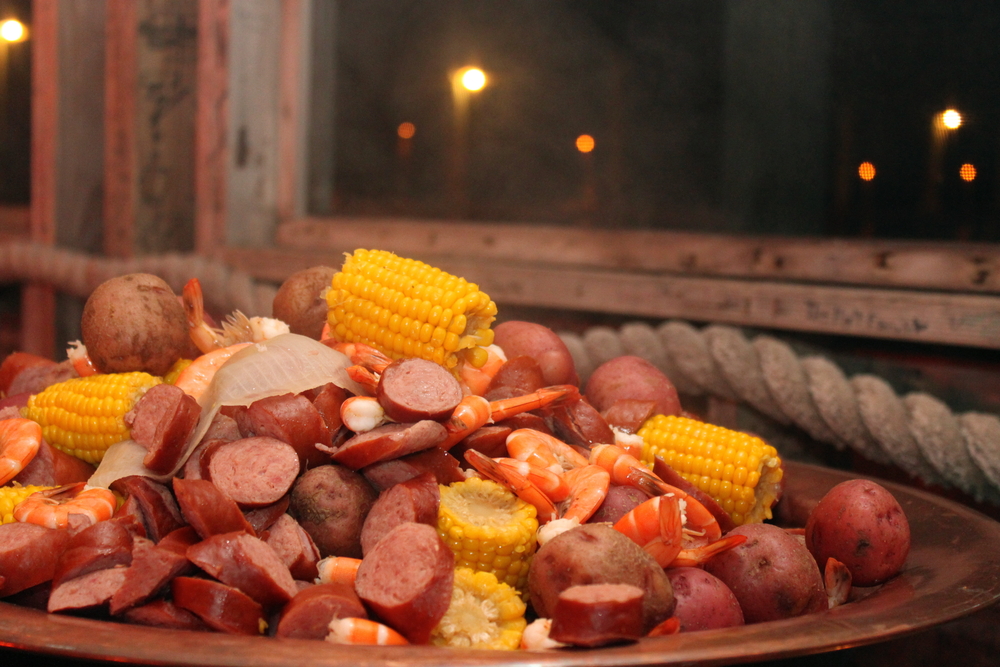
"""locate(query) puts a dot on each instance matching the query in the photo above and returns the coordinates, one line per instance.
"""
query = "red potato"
(771, 574)
(704, 602)
(859, 523)
(518, 338)
(631, 377)
(331, 503)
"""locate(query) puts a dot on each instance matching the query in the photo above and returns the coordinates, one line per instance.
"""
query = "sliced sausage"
(221, 607)
(152, 569)
(291, 418)
(517, 376)
(223, 427)
(294, 547)
(407, 580)
(253, 471)
(36, 378)
(629, 414)
(328, 401)
(526, 420)
(179, 540)
(97, 547)
(415, 500)
(159, 510)
(261, 518)
(208, 510)
(331, 502)
(389, 441)
(673, 478)
(488, 440)
(443, 465)
(52, 467)
(162, 421)
(28, 555)
(413, 389)
(598, 614)
(247, 563)
(164, 614)
(309, 613)
(89, 590)
(16, 362)
(579, 423)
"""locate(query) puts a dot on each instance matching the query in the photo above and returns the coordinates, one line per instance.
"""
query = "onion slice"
(286, 364)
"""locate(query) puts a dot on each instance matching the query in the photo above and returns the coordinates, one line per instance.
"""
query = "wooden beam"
(211, 122)
(120, 128)
(15, 223)
(927, 317)
(961, 267)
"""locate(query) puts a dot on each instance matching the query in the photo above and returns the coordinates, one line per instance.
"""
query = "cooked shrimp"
(536, 635)
(588, 487)
(78, 357)
(656, 525)
(364, 377)
(53, 507)
(338, 570)
(19, 442)
(475, 411)
(362, 413)
(352, 630)
(671, 626)
(238, 328)
(194, 379)
(520, 485)
(543, 450)
(696, 556)
(362, 355)
(477, 380)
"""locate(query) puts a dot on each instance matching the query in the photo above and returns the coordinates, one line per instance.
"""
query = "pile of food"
(380, 464)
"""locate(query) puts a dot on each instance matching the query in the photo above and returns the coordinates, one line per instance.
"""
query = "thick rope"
(916, 432)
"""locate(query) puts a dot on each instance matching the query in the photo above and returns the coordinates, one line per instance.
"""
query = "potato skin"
(772, 574)
(544, 345)
(861, 524)
(331, 503)
(135, 323)
(597, 554)
(299, 302)
(630, 376)
(704, 602)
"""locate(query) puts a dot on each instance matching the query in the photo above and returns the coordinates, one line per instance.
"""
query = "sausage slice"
(414, 389)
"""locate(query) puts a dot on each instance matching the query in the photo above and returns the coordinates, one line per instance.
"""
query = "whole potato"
(331, 503)
(544, 345)
(635, 378)
(299, 302)
(861, 524)
(597, 554)
(135, 323)
(704, 602)
(772, 574)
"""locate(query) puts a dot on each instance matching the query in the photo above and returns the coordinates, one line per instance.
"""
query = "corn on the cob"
(489, 529)
(740, 471)
(85, 416)
(406, 308)
(176, 370)
(12, 496)
(483, 613)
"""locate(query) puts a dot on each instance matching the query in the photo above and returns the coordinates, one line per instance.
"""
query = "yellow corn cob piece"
(406, 308)
(176, 369)
(84, 416)
(483, 613)
(489, 529)
(12, 496)
(740, 471)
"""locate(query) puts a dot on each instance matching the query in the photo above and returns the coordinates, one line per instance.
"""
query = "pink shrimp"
(19, 442)
(194, 379)
(53, 507)
(627, 470)
(338, 570)
(238, 328)
(519, 484)
(475, 411)
(543, 450)
(362, 413)
(657, 526)
(361, 355)
(351, 630)
(477, 380)
(588, 487)
(78, 357)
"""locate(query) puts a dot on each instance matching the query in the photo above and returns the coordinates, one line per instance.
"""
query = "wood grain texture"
(120, 128)
(211, 148)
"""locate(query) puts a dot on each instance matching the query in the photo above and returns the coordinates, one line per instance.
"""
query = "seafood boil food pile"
(381, 464)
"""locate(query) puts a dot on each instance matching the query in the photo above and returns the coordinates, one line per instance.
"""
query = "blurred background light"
(967, 172)
(12, 30)
(585, 143)
(951, 119)
(406, 130)
(473, 79)
(866, 170)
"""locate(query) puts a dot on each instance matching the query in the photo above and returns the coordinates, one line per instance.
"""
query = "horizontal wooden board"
(929, 317)
(962, 267)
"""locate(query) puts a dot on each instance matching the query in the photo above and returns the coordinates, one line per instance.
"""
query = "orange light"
(967, 172)
(585, 143)
(472, 79)
(12, 30)
(866, 170)
(951, 119)
(406, 130)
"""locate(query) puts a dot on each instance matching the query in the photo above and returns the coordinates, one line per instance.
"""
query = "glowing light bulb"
(866, 171)
(473, 79)
(12, 30)
(951, 119)
(967, 172)
(585, 143)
